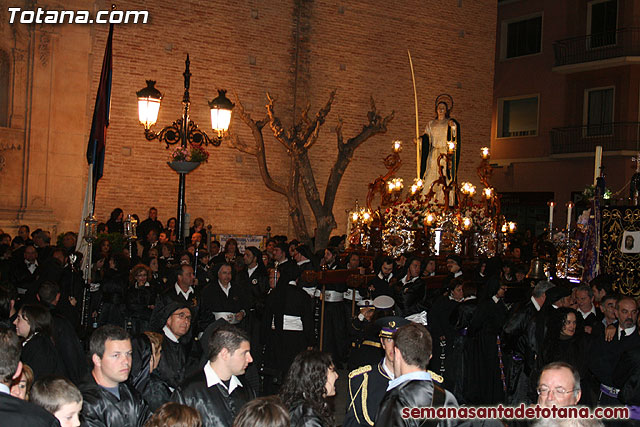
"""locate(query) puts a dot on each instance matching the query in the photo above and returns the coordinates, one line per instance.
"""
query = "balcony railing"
(584, 139)
(596, 47)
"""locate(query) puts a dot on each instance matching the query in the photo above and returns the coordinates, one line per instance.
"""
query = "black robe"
(484, 382)
(41, 356)
(281, 346)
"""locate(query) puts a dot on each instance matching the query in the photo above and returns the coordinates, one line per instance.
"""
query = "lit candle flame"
(484, 152)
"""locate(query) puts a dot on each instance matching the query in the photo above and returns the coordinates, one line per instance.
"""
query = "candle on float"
(598, 164)
(569, 208)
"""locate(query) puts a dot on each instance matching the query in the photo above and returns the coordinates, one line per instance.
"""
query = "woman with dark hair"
(229, 254)
(171, 229)
(115, 224)
(140, 298)
(310, 380)
(565, 340)
(33, 323)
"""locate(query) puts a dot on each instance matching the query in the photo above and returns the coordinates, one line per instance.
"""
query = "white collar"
(278, 264)
(169, 334)
(251, 270)
(457, 273)
(213, 379)
(304, 261)
(225, 290)
(405, 281)
(627, 331)
(386, 369)
(535, 304)
(185, 295)
(495, 299)
(381, 276)
(585, 315)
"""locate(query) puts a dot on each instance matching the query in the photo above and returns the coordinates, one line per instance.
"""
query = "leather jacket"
(415, 393)
(216, 407)
(302, 415)
(102, 408)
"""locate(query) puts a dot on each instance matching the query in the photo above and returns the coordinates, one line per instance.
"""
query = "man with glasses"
(559, 385)
(176, 343)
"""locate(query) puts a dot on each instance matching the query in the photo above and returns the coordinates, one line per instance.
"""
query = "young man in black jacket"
(215, 391)
(108, 399)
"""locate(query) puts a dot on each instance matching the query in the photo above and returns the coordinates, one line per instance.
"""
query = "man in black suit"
(586, 307)
(13, 411)
(605, 355)
(287, 270)
(25, 274)
(151, 223)
(183, 292)
(224, 299)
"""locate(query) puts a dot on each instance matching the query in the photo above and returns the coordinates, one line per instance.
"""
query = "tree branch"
(276, 125)
(376, 125)
(258, 151)
(310, 134)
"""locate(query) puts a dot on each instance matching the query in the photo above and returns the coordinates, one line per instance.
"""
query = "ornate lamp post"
(183, 130)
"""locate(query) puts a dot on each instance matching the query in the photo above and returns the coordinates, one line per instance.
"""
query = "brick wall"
(253, 46)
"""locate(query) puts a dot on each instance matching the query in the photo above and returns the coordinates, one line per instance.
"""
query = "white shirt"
(405, 281)
(31, 266)
(457, 273)
(535, 304)
(213, 379)
(380, 275)
(584, 315)
(169, 334)
(627, 331)
(251, 270)
(386, 369)
(4, 389)
(185, 295)
(304, 261)
(225, 290)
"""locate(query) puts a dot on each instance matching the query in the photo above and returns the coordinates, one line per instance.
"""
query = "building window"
(522, 37)
(518, 117)
(602, 21)
(599, 111)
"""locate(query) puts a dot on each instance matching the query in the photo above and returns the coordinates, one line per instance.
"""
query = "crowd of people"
(194, 333)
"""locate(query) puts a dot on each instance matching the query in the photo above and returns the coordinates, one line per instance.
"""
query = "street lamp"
(183, 130)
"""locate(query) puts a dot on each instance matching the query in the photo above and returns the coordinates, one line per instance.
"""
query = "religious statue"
(438, 133)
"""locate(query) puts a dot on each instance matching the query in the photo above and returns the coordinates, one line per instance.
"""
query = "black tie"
(622, 334)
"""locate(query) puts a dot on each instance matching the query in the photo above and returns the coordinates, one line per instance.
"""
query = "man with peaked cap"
(368, 384)
(365, 332)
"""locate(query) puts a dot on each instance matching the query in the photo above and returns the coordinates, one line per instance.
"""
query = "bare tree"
(297, 140)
